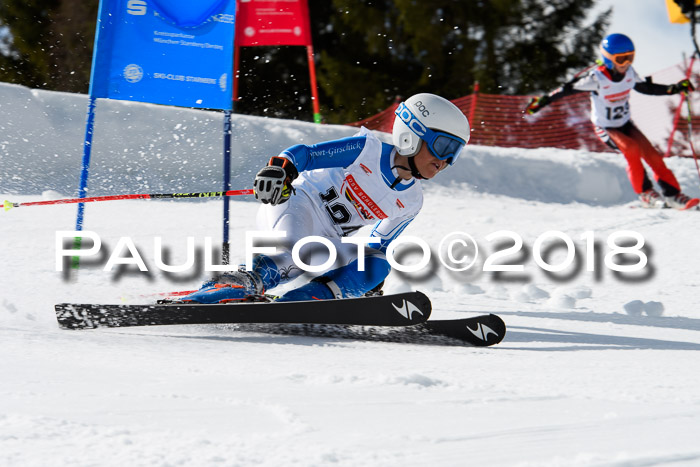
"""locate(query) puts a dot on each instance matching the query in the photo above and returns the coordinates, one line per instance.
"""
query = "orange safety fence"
(498, 120)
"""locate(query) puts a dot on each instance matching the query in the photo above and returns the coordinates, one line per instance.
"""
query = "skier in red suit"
(610, 86)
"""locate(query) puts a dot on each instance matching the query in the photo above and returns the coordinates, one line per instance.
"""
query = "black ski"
(480, 331)
(388, 310)
(389, 318)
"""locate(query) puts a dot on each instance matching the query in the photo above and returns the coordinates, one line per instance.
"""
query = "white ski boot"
(651, 199)
(681, 201)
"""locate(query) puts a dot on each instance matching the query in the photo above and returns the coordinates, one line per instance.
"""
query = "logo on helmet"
(410, 120)
(422, 108)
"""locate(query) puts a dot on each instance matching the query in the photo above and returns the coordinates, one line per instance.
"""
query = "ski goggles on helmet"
(444, 146)
(619, 59)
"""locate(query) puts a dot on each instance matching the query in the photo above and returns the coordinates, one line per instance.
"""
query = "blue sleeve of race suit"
(336, 153)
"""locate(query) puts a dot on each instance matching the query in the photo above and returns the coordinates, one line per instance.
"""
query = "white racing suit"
(343, 186)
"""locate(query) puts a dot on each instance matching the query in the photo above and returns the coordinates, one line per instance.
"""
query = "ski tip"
(693, 205)
(424, 308)
(8, 205)
(479, 331)
(425, 300)
(486, 330)
(499, 326)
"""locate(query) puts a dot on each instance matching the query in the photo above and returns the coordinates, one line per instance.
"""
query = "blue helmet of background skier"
(617, 50)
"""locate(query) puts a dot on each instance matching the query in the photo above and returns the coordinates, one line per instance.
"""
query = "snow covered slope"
(598, 368)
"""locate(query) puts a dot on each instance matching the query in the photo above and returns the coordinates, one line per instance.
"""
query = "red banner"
(272, 22)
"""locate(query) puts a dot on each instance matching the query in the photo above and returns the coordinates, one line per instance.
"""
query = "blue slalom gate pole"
(82, 191)
(225, 247)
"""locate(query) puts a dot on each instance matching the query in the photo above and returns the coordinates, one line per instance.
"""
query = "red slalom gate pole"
(690, 132)
(677, 113)
(208, 194)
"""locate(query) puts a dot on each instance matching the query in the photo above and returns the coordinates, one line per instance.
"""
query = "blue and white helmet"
(616, 48)
(434, 120)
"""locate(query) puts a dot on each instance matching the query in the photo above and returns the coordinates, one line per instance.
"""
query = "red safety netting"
(383, 121)
(498, 120)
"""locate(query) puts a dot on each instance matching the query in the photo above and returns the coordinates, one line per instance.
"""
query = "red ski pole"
(209, 194)
(690, 132)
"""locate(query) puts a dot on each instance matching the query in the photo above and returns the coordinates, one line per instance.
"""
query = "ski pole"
(209, 194)
(573, 79)
(585, 70)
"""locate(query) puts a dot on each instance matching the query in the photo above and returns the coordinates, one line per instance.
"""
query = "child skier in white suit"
(334, 188)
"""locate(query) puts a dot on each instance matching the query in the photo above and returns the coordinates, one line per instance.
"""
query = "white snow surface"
(596, 369)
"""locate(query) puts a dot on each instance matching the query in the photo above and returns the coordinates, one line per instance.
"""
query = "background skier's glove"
(682, 86)
(273, 184)
(536, 104)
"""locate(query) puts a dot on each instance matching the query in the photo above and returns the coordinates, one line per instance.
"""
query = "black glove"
(273, 184)
(536, 104)
(682, 86)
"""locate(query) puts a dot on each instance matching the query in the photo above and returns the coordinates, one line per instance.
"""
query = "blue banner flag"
(173, 52)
